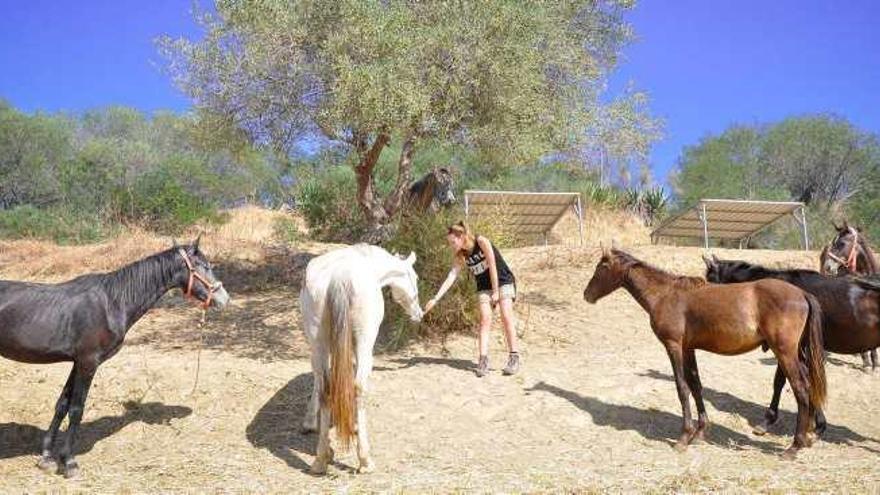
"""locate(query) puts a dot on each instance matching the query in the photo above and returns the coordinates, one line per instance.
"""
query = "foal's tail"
(813, 352)
(340, 395)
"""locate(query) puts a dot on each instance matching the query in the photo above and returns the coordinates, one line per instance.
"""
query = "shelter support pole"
(466, 216)
(579, 209)
(705, 222)
(803, 221)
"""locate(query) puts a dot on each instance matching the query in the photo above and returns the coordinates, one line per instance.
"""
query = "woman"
(495, 284)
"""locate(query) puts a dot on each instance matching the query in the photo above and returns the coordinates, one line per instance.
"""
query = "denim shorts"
(506, 291)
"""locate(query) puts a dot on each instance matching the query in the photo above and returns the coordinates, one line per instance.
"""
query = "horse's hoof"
(699, 439)
(318, 468)
(47, 464)
(71, 471)
(811, 438)
(366, 467)
(680, 446)
(307, 429)
(760, 430)
(790, 454)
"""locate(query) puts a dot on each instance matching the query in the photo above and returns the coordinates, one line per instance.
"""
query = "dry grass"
(594, 409)
(605, 226)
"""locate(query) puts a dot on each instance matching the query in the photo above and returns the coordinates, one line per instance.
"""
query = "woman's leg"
(483, 338)
(508, 319)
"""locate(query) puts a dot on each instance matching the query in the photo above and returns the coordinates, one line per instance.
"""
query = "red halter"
(851, 261)
(194, 275)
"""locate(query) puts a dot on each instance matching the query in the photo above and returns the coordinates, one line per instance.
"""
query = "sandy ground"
(593, 410)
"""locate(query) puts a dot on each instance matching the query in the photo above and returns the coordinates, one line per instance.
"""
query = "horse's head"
(405, 286)
(198, 279)
(444, 186)
(842, 254)
(726, 272)
(609, 275)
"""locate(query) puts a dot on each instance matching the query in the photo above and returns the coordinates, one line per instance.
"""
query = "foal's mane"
(677, 281)
(754, 268)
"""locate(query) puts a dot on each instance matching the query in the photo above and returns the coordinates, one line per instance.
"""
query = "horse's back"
(731, 318)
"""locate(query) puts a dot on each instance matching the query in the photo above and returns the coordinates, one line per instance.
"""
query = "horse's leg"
(323, 454)
(47, 461)
(799, 385)
(310, 422)
(772, 413)
(866, 360)
(692, 375)
(873, 359)
(674, 350)
(82, 382)
(364, 368)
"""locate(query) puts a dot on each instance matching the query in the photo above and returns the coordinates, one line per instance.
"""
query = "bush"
(64, 227)
(159, 200)
(327, 201)
(285, 230)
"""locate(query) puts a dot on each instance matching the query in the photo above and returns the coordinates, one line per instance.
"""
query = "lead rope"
(203, 322)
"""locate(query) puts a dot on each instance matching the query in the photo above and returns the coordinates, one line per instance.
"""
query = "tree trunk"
(379, 213)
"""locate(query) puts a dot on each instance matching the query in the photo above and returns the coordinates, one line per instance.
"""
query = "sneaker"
(483, 366)
(512, 364)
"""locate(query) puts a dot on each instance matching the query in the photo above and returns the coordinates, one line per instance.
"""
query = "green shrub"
(159, 200)
(327, 202)
(63, 227)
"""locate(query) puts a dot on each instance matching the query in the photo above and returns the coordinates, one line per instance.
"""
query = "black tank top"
(477, 264)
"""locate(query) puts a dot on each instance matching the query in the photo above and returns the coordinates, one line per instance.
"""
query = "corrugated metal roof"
(726, 218)
(531, 213)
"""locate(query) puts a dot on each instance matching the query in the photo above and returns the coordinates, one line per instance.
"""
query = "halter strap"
(194, 275)
(851, 261)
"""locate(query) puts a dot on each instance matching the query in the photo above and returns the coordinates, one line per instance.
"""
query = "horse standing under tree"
(85, 320)
(432, 192)
(342, 307)
(687, 313)
(850, 309)
(850, 254)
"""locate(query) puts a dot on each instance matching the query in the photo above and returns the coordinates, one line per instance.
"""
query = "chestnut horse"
(688, 313)
(850, 254)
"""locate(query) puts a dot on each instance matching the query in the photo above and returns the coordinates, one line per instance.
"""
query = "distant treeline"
(74, 178)
(822, 160)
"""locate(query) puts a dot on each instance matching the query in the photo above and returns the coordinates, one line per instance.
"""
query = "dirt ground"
(594, 408)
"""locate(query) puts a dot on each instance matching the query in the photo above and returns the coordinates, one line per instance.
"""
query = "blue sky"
(706, 64)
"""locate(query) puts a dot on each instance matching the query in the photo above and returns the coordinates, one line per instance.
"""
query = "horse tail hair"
(813, 352)
(340, 395)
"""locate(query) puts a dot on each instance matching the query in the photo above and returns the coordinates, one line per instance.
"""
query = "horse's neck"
(867, 255)
(647, 286)
(137, 287)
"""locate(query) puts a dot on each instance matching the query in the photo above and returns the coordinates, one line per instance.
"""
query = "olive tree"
(513, 80)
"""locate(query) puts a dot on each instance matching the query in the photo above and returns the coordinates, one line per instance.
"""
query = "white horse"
(342, 307)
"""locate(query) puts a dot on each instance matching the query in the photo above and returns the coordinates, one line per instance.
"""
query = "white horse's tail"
(340, 394)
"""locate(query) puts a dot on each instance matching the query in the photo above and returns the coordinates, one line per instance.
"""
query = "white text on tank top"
(477, 263)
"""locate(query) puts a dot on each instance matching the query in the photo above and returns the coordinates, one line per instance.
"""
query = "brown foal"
(688, 313)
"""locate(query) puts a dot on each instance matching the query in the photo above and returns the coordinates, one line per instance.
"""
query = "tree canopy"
(512, 80)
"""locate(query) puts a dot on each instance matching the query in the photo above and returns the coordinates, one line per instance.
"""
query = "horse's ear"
(603, 248)
(196, 242)
(411, 259)
(834, 224)
(845, 225)
(710, 262)
(174, 243)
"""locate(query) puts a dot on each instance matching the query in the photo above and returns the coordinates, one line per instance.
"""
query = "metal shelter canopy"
(731, 219)
(530, 213)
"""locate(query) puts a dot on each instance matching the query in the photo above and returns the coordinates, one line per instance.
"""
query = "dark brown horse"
(849, 254)
(688, 313)
(433, 191)
(85, 321)
(850, 309)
